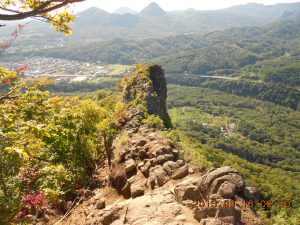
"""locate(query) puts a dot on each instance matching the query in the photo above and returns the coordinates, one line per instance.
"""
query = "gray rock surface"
(158, 208)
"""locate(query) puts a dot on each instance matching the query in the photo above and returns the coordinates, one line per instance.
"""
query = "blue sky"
(111, 5)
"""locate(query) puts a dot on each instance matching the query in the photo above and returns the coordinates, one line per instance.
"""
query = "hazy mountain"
(97, 25)
(92, 16)
(264, 12)
(125, 10)
(291, 15)
(153, 9)
(153, 21)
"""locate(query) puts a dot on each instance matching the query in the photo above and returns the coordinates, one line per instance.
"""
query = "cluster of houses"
(61, 70)
(41, 66)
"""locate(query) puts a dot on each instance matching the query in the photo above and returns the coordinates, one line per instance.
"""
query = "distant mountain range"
(152, 22)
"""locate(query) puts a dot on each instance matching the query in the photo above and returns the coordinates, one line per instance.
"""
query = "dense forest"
(276, 93)
(259, 138)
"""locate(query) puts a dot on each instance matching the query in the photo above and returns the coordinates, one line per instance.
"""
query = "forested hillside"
(235, 51)
(264, 61)
(261, 139)
(276, 93)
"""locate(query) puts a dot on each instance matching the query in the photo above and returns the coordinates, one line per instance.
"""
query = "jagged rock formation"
(150, 85)
(155, 185)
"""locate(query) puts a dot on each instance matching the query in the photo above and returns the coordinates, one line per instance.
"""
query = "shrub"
(31, 203)
(121, 113)
(56, 180)
(153, 121)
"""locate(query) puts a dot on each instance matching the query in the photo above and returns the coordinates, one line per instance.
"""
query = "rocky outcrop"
(157, 96)
(150, 85)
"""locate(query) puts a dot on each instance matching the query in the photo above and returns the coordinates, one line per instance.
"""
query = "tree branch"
(42, 9)
(7, 95)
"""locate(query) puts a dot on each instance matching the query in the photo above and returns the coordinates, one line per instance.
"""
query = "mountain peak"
(92, 11)
(153, 9)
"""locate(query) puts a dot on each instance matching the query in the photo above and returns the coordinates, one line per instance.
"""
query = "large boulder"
(160, 175)
(220, 185)
(181, 172)
(137, 185)
(187, 192)
(170, 167)
(118, 178)
(130, 168)
(145, 169)
(137, 190)
(223, 182)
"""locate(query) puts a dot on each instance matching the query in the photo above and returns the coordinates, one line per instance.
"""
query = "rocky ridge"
(150, 184)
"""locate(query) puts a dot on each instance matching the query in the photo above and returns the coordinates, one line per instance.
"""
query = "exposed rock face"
(153, 87)
(156, 99)
(157, 208)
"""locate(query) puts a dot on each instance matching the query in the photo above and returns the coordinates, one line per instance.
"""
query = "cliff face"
(156, 100)
(149, 84)
(150, 184)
